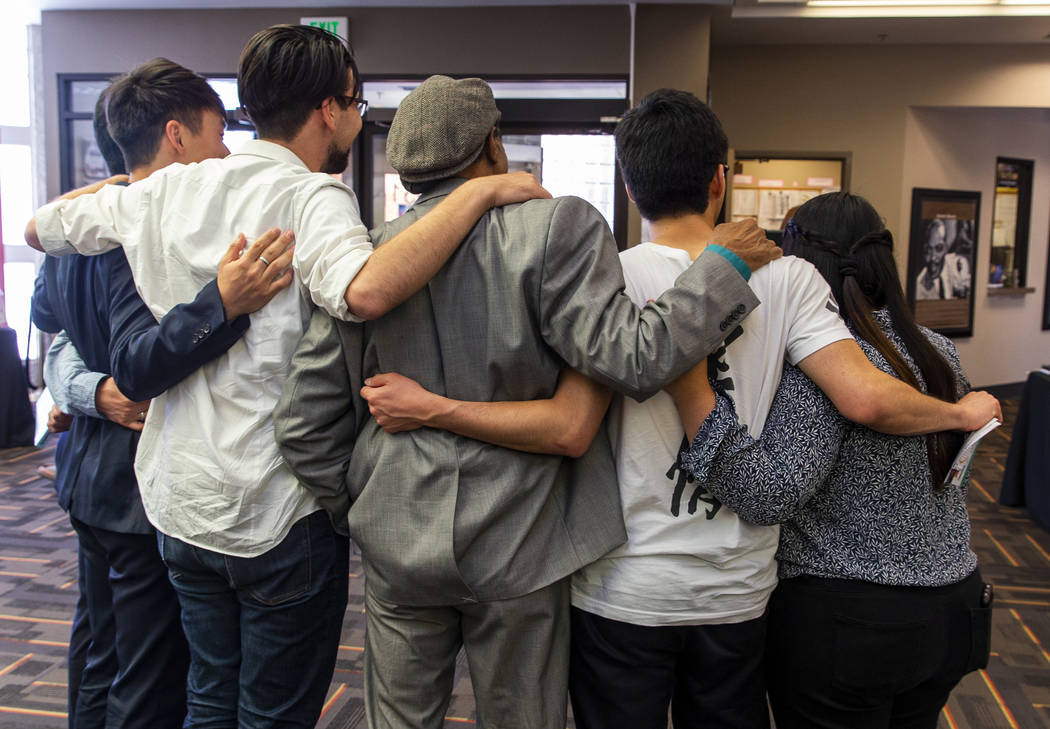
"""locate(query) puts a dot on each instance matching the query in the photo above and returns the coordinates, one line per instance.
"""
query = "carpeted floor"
(38, 585)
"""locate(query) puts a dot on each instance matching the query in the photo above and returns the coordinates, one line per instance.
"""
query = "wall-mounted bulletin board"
(766, 185)
(1011, 214)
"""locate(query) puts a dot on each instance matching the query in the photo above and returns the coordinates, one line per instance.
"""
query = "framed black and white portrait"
(942, 252)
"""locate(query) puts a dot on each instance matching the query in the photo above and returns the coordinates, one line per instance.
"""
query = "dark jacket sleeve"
(43, 315)
(588, 319)
(317, 419)
(146, 356)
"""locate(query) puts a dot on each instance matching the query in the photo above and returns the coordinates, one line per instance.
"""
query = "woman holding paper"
(880, 608)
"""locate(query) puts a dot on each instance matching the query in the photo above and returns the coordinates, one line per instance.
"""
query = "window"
(16, 182)
(560, 130)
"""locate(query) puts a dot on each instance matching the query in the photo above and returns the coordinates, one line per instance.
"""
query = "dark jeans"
(92, 664)
(856, 655)
(134, 613)
(263, 631)
(625, 675)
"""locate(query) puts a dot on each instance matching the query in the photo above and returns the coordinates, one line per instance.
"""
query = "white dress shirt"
(208, 466)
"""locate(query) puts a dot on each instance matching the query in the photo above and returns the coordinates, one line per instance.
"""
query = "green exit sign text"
(335, 26)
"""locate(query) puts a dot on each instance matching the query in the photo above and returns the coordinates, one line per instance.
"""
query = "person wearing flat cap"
(466, 543)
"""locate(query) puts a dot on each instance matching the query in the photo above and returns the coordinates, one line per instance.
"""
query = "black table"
(1026, 481)
(16, 414)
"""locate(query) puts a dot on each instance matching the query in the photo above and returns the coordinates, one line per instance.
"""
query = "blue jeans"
(263, 631)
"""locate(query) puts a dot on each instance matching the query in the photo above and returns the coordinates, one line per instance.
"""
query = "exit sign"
(335, 26)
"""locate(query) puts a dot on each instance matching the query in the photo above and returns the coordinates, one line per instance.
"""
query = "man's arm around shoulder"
(588, 319)
(148, 357)
(403, 265)
(54, 236)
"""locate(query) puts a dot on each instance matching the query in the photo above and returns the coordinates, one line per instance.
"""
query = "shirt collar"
(272, 150)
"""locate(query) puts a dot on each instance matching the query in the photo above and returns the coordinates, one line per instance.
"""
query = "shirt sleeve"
(71, 383)
(767, 481)
(89, 224)
(331, 247)
(815, 321)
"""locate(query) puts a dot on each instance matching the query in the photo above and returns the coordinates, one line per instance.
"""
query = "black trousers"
(92, 660)
(856, 655)
(624, 675)
(134, 615)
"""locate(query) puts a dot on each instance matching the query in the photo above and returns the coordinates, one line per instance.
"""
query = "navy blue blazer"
(93, 298)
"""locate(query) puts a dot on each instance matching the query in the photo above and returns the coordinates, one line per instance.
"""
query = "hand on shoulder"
(747, 240)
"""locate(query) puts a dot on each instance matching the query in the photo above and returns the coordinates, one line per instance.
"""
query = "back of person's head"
(844, 237)
(111, 153)
(440, 129)
(141, 103)
(287, 71)
(669, 147)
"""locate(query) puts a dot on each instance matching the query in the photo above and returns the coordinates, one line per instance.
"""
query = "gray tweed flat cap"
(440, 127)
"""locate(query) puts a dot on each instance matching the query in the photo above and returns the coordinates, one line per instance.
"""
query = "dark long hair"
(844, 237)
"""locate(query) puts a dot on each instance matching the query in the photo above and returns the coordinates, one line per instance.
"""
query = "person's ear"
(173, 133)
(327, 110)
(718, 183)
(629, 195)
(493, 146)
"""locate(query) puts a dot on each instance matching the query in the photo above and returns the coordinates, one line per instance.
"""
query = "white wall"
(956, 149)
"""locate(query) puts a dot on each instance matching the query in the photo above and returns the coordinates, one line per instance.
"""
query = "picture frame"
(942, 258)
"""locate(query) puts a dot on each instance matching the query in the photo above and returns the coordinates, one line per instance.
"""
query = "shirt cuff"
(738, 262)
(701, 453)
(50, 232)
(82, 391)
(330, 294)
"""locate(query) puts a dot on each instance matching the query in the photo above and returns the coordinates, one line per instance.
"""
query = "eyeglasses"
(347, 101)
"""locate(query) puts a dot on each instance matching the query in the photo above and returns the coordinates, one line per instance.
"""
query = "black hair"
(139, 105)
(669, 147)
(287, 71)
(845, 238)
(111, 153)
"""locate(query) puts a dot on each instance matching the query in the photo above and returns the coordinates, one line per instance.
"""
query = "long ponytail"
(844, 237)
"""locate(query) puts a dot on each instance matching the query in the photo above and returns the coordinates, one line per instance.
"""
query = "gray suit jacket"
(443, 519)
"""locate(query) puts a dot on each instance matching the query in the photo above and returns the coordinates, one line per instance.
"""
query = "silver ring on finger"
(263, 259)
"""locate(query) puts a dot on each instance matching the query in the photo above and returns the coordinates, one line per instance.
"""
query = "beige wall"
(584, 40)
(857, 99)
(956, 149)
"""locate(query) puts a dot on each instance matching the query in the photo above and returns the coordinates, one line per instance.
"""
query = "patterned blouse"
(853, 503)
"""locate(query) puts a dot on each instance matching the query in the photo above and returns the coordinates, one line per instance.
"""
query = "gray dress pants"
(517, 650)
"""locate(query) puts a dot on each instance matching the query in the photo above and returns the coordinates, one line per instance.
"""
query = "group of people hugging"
(690, 481)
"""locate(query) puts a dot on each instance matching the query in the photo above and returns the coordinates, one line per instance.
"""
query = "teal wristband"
(738, 262)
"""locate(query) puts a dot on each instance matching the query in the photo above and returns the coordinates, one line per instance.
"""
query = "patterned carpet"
(38, 584)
